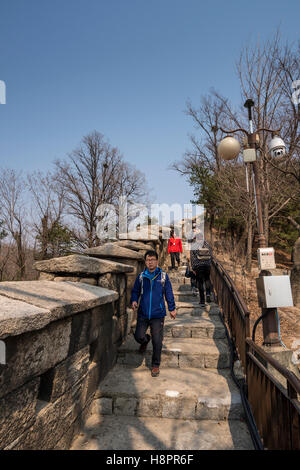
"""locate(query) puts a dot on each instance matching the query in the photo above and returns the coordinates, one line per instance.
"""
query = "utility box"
(249, 155)
(266, 258)
(274, 291)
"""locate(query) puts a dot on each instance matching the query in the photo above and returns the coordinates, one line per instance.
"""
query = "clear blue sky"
(125, 68)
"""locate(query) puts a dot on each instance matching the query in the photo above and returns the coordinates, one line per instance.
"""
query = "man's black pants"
(202, 277)
(157, 330)
(173, 256)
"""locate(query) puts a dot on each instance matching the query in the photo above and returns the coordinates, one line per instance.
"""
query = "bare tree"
(13, 198)
(95, 174)
(47, 211)
(264, 78)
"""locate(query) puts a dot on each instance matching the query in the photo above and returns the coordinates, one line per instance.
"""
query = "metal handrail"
(274, 406)
(291, 378)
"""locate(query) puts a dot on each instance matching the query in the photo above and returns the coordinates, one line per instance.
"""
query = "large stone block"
(114, 252)
(125, 406)
(178, 409)
(64, 376)
(80, 265)
(149, 407)
(32, 354)
(57, 299)
(101, 406)
(88, 326)
(53, 421)
(17, 412)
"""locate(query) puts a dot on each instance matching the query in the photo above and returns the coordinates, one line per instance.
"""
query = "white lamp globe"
(229, 148)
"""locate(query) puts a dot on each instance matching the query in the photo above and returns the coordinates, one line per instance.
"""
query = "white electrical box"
(274, 291)
(266, 258)
(249, 155)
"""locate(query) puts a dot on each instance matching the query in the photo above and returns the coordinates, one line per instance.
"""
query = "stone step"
(193, 308)
(182, 287)
(189, 326)
(175, 393)
(139, 433)
(185, 296)
(179, 352)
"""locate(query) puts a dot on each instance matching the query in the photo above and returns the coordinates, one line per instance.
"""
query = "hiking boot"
(155, 371)
(202, 304)
(208, 299)
(143, 346)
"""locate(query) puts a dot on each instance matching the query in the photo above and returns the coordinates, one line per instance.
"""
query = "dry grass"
(245, 282)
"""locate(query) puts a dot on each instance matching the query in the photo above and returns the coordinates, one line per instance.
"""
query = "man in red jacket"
(174, 248)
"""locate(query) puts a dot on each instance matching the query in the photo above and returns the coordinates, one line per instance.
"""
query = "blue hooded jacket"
(152, 304)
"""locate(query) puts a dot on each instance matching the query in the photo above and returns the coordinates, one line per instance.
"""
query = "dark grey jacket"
(199, 263)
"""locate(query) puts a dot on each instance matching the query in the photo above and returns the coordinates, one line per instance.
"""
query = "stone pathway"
(192, 405)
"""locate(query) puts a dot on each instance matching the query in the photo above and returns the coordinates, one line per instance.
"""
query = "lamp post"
(269, 315)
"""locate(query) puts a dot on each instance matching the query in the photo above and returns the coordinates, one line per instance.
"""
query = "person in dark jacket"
(174, 249)
(201, 266)
(149, 290)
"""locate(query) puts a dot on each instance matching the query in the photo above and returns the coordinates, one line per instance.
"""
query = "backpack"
(203, 254)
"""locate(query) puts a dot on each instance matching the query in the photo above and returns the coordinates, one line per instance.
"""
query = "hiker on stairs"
(200, 259)
(174, 249)
(149, 290)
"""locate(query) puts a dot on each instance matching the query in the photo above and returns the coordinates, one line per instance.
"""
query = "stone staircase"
(192, 405)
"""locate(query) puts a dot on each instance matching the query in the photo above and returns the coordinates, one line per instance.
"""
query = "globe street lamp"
(228, 149)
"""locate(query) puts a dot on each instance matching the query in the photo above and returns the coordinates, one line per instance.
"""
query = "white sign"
(266, 258)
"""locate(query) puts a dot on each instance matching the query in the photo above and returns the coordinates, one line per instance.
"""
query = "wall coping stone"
(77, 264)
(114, 251)
(133, 245)
(31, 305)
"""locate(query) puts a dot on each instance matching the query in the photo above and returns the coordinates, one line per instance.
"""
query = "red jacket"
(174, 245)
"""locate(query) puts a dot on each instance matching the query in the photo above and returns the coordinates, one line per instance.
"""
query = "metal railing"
(275, 407)
(233, 306)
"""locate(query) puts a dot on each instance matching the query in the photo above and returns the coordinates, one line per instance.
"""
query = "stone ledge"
(80, 264)
(133, 245)
(112, 250)
(31, 305)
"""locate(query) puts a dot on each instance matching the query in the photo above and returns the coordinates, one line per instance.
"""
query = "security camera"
(277, 147)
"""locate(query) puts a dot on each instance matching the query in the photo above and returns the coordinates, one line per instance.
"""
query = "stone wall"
(61, 335)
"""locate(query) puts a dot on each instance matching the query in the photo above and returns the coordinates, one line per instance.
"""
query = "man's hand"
(134, 305)
(173, 314)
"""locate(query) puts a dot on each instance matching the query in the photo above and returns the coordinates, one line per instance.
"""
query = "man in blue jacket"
(147, 295)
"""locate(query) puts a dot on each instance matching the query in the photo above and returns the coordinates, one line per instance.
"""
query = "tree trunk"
(249, 244)
(20, 255)
(295, 273)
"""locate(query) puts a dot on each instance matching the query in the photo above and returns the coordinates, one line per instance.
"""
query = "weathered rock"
(80, 264)
(17, 317)
(64, 278)
(89, 280)
(53, 420)
(48, 277)
(56, 381)
(134, 245)
(57, 299)
(31, 354)
(111, 250)
(17, 412)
